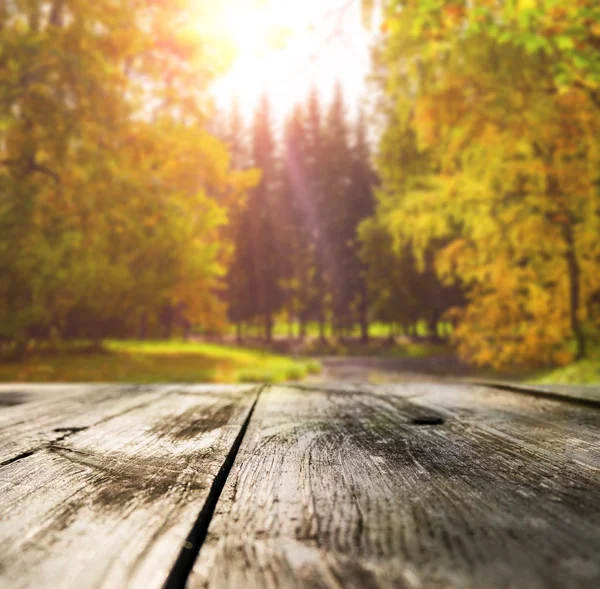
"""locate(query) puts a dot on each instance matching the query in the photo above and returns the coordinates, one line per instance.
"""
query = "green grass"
(157, 361)
(281, 329)
(583, 372)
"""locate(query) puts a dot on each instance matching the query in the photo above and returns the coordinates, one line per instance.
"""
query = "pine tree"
(299, 219)
(336, 210)
(361, 206)
(391, 276)
(262, 219)
(238, 282)
(315, 200)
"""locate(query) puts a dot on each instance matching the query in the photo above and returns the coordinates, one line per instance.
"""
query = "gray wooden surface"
(107, 498)
(410, 486)
(413, 486)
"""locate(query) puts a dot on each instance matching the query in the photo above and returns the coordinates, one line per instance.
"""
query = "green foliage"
(108, 178)
(337, 211)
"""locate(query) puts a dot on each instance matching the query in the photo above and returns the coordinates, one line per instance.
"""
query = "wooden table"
(297, 486)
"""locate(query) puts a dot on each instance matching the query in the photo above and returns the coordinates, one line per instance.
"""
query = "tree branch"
(32, 167)
(44, 170)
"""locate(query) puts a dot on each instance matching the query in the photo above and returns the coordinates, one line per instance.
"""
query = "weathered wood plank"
(32, 417)
(414, 487)
(111, 505)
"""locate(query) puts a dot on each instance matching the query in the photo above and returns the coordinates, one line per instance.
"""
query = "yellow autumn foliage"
(504, 170)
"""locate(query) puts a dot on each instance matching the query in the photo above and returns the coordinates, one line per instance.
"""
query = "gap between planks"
(586, 395)
(190, 550)
(435, 406)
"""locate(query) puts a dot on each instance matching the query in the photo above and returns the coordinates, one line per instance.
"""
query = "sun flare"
(283, 48)
(247, 26)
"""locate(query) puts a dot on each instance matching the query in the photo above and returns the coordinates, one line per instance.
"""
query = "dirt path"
(377, 370)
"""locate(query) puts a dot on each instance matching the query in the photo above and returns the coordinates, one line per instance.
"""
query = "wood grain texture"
(32, 416)
(109, 503)
(416, 486)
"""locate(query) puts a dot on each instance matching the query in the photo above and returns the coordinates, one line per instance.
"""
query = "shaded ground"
(571, 381)
(312, 346)
(378, 361)
(377, 370)
(409, 358)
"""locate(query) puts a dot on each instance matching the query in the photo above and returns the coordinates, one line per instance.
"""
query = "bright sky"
(285, 46)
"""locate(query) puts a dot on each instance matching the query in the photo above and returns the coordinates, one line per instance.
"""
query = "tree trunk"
(291, 324)
(20, 349)
(432, 325)
(334, 326)
(574, 274)
(238, 332)
(364, 317)
(391, 338)
(302, 327)
(321, 326)
(364, 330)
(268, 319)
(97, 337)
(168, 324)
(143, 329)
(320, 287)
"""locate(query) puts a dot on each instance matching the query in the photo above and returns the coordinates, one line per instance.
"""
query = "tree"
(262, 219)
(501, 102)
(315, 184)
(299, 220)
(361, 206)
(108, 179)
(391, 276)
(238, 276)
(336, 209)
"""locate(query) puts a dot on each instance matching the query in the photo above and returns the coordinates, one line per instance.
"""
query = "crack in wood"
(72, 430)
(17, 458)
(192, 546)
(427, 420)
(67, 431)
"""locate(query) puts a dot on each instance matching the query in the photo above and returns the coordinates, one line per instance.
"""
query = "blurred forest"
(464, 195)
(298, 247)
